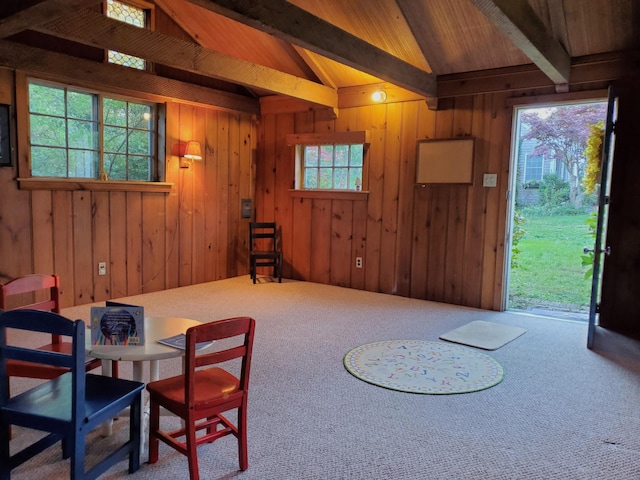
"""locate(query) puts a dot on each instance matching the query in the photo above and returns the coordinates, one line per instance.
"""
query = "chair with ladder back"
(37, 292)
(263, 249)
(214, 382)
(66, 407)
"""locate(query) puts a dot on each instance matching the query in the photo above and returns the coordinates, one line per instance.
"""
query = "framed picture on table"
(5, 136)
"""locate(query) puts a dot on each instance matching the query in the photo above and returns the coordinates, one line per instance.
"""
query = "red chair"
(204, 392)
(37, 292)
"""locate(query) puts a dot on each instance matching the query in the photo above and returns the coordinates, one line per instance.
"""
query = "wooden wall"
(150, 241)
(443, 243)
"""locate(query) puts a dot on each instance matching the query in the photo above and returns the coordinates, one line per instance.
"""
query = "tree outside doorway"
(558, 157)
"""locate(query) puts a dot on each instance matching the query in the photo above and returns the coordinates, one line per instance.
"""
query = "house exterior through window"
(533, 169)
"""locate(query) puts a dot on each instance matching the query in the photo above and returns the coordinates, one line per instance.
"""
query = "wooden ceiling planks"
(450, 37)
(456, 37)
(600, 26)
(224, 35)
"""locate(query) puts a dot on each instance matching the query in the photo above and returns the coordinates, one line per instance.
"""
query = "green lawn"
(550, 269)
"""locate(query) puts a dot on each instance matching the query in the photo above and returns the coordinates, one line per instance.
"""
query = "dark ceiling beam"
(95, 29)
(19, 15)
(518, 21)
(299, 27)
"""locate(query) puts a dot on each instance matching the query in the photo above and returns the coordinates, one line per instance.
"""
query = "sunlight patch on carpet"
(485, 335)
(421, 366)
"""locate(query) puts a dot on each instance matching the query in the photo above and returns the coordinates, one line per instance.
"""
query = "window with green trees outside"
(332, 167)
(77, 133)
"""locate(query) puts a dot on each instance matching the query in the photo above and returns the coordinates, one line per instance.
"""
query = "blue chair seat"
(50, 403)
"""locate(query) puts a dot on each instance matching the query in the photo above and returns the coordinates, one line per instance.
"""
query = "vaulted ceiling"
(314, 50)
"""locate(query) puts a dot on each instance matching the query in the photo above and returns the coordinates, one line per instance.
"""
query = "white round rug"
(421, 366)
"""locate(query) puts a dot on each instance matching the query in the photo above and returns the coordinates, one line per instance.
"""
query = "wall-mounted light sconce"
(188, 152)
(379, 96)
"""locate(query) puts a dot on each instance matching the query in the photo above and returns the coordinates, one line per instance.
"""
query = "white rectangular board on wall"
(445, 161)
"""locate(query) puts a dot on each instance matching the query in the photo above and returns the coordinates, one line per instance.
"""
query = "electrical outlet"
(102, 268)
(358, 262)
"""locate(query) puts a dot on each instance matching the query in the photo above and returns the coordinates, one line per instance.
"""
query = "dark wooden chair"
(66, 407)
(263, 249)
(205, 391)
(39, 292)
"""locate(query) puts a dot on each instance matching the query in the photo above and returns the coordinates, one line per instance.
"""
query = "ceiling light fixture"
(379, 96)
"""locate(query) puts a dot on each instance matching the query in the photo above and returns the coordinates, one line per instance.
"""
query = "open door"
(600, 250)
(620, 298)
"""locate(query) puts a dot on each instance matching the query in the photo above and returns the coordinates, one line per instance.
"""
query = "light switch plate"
(490, 180)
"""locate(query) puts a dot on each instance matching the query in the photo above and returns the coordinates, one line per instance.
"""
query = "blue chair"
(67, 407)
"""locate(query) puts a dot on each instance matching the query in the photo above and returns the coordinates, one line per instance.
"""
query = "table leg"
(154, 370)
(107, 427)
(138, 371)
(138, 376)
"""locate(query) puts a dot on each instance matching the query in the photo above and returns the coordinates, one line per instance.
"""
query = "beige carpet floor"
(562, 411)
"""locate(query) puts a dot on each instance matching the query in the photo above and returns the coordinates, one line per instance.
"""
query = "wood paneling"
(442, 243)
(149, 241)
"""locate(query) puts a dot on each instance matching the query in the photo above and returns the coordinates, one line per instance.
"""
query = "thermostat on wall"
(246, 208)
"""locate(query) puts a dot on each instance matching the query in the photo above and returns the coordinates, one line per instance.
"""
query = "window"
(81, 134)
(533, 169)
(330, 161)
(337, 167)
(133, 16)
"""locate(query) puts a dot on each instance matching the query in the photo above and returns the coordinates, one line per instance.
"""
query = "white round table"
(155, 328)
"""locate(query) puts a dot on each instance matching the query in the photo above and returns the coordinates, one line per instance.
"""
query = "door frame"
(517, 104)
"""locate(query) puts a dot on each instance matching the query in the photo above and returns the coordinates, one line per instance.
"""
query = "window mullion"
(66, 128)
(100, 116)
(333, 167)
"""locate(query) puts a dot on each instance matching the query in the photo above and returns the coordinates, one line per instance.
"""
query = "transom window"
(81, 134)
(337, 167)
(133, 16)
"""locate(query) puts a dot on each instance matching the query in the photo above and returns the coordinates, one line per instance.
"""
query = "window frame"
(527, 168)
(26, 181)
(300, 141)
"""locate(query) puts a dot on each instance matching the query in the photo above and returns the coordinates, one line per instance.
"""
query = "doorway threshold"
(550, 313)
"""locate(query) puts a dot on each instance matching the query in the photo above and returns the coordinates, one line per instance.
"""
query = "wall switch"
(490, 180)
(358, 262)
(102, 268)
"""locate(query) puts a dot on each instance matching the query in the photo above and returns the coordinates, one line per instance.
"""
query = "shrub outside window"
(332, 167)
(82, 134)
